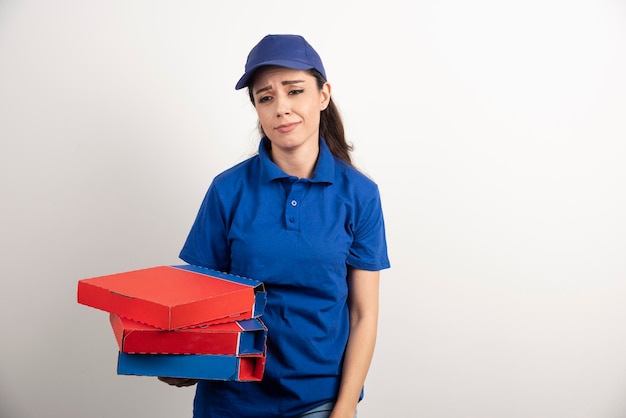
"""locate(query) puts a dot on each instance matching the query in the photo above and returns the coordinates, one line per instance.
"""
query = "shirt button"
(294, 203)
(292, 220)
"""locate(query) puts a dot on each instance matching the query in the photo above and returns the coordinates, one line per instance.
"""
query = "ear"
(325, 96)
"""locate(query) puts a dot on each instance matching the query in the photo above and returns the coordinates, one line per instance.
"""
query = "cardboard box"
(240, 338)
(171, 297)
(192, 366)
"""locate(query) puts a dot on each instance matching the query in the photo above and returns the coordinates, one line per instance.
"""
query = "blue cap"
(290, 51)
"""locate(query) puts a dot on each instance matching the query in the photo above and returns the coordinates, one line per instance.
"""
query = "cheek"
(263, 115)
(314, 115)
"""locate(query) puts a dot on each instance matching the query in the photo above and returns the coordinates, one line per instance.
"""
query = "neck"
(298, 162)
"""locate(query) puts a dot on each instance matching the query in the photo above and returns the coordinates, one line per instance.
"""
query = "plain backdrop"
(495, 130)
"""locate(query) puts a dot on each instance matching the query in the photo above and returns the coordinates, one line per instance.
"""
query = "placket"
(292, 205)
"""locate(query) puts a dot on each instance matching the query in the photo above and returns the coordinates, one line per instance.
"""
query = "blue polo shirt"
(298, 236)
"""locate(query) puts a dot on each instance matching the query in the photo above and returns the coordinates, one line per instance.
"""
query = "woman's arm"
(363, 304)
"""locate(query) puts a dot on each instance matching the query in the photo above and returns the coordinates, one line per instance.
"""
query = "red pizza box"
(241, 338)
(172, 297)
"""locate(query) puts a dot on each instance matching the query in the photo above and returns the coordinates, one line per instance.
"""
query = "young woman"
(300, 218)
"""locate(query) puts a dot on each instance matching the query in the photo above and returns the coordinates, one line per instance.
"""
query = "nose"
(282, 106)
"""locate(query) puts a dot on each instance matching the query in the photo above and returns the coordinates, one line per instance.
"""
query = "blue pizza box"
(193, 366)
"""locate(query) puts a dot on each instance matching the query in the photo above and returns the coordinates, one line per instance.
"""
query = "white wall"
(496, 131)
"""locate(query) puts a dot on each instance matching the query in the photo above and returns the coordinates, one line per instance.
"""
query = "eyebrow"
(284, 83)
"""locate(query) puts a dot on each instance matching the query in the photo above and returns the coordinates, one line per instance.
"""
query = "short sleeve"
(369, 247)
(207, 242)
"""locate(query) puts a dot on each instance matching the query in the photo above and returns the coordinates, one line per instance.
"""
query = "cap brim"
(294, 65)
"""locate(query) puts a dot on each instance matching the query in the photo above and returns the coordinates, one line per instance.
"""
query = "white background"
(495, 130)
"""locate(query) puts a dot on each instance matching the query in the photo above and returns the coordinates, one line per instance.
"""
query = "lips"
(287, 127)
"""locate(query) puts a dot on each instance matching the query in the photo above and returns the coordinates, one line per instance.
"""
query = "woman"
(300, 218)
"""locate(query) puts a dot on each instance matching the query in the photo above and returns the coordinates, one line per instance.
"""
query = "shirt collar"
(323, 172)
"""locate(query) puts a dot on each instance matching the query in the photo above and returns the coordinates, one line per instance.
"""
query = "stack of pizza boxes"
(183, 321)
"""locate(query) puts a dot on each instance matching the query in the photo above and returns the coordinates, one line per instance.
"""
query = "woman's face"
(288, 104)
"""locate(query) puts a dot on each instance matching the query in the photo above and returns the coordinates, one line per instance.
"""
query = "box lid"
(172, 297)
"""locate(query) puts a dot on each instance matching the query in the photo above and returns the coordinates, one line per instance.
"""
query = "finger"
(187, 382)
(171, 380)
(178, 382)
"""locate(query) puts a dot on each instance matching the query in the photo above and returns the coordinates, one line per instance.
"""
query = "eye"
(296, 91)
(265, 99)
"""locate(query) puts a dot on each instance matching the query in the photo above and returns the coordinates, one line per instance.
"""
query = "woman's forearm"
(361, 341)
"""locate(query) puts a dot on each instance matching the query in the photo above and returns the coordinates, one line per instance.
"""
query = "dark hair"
(331, 124)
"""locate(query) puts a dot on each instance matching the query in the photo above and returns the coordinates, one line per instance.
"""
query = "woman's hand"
(341, 414)
(177, 381)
